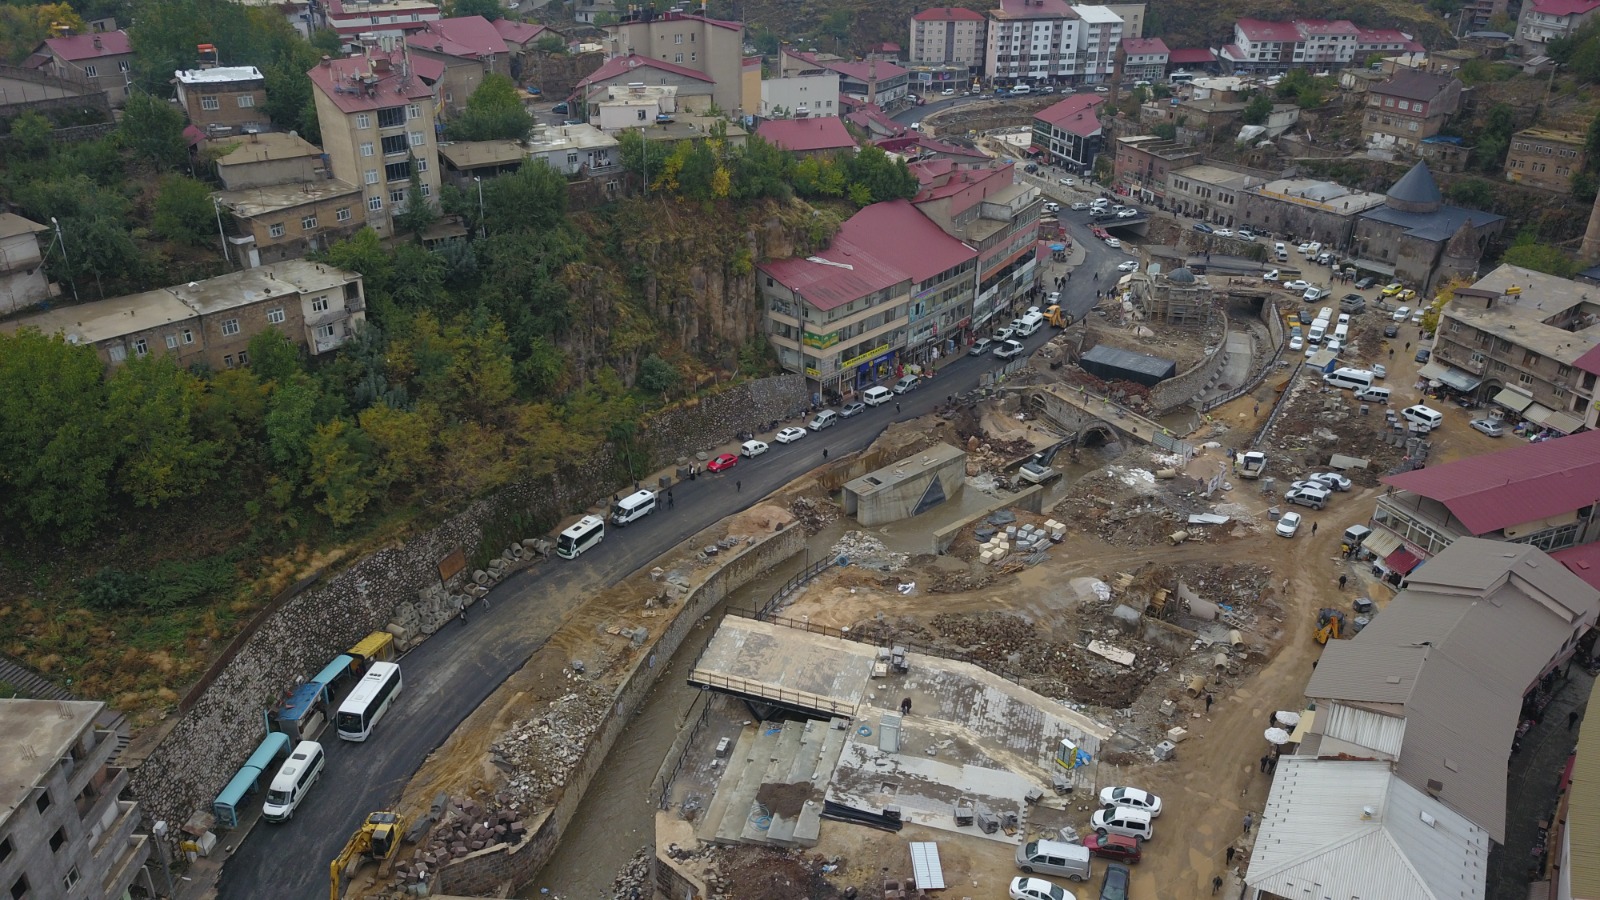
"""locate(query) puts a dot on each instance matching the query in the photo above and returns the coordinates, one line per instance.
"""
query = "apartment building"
(1100, 35)
(1545, 158)
(1264, 47)
(377, 121)
(65, 832)
(1032, 42)
(877, 82)
(211, 322)
(712, 47)
(1409, 108)
(1144, 59)
(1132, 15)
(1142, 162)
(282, 200)
(223, 99)
(386, 21)
(1068, 133)
(22, 279)
(102, 62)
(1211, 192)
(981, 206)
(948, 35)
(469, 48)
(807, 95)
(1543, 21)
(1515, 337)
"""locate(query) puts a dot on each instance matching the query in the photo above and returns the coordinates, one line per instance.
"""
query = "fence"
(789, 587)
(1269, 314)
(762, 690)
(925, 649)
(686, 737)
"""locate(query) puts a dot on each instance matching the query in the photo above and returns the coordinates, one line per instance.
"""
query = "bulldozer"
(1330, 625)
(1056, 317)
(378, 838)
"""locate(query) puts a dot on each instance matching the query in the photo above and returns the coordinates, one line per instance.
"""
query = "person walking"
(1231, 851)
(669, 499)
(1342, 580)
(1313, 528)
(1249, 820)
(824, 453)
(1208, 701)
(1265, 758)
(738, 487)
(461, 608)
(1216, 884)
(897, 406)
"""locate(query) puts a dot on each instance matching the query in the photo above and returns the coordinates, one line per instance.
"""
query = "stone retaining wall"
(685, 430)
(1186, 386)
(485, 871)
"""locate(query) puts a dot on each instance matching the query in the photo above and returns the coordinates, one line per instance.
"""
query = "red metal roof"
(1582, 561)
(518, 32)
(90, 46)
(1262, 30)
(807, 135)
(625, 65)
(1402, 561)
(1075, 114)
(1590, 360)
(1564, 7)
(1144, 46)
(359, 83)
(1498, 490)
(468, 37)
(948, 14)
(864, 71)
(1194, 56)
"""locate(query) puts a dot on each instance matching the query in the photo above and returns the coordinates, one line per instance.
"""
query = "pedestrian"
(1231, 851)
(669, 499)
(1272, 766)
(1249, 820)
(738, 486)
(1313, 528)
(1097, 276)
(1572, 719)
(1408, 346)
(905, 706)
(461, 607)
(824, 452)
(1208, 701)
(897, 406)
(1216, 885)
(1272, 720)
(1342, 580)
(1391, 353)
(1264, 759)
(1258, 408)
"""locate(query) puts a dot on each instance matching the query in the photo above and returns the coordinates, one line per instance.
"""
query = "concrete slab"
(744, 793)
(738, 761)
(786, 665)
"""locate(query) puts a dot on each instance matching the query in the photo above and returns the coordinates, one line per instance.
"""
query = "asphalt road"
(451, 673)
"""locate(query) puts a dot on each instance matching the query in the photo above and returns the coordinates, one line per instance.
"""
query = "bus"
(587, 532)
(372, 697)
(634, 506)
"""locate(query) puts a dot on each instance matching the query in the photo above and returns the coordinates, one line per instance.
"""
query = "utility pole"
(217, 206)
(64, 258)
(483, 229)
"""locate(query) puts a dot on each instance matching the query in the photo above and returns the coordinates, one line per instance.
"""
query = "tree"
(30, 133)
(290, 101)
(402, 441)
(339, 471)
(152, 129)
(1165, 130)
(418, 214)
(494, 112)
(551, 43)
(184, 211)
(56, 451)
(657, 375)
(155, 405)
(533, 198)
(489, 9)
(1540, 258)
(1475, 193)
(23, 28)
(883, 178)
(274, 358)
(1258, 110)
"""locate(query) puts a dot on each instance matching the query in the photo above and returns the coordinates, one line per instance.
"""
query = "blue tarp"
(333, 672)
(248, 779)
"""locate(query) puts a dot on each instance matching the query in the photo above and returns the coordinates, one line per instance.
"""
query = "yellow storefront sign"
(858, 360)
(813, 373)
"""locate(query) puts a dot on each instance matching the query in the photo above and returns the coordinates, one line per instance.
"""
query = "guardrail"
(790, 586)
(762, 690)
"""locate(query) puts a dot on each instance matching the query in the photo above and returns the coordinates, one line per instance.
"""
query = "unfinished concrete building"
(1178, 298)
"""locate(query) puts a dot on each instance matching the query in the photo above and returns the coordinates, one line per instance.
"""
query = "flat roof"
(269, 146)
(36, 734)
(1523, 318)
(217, 75)
(1097, 15)
(564, 137)
(1324, 195)
(1213, 175)
(905, 469)
(263, 282)
(252, 202)
(473, 154)
(12, 225)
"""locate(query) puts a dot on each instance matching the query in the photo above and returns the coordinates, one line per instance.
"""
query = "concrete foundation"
(911, 486)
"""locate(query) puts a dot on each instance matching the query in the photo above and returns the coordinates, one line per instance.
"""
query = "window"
(227, 360)
(188, 336)
(117, 353)
(413, 112)
(363, 120)
(247, 100)
(693, 57)
(422, 165)
(209, 103)
(1525, 378)
(230, 327)
(1563, 371)
(372, 176)
(418, 139)
(572, 159)
(19, 888)
(449, 97)
(1529, 358)
(397, 197)
(5, 850)
(58, 840)
(325, 333)
(70, 880)
(244, 358)
(399, 171)
(275, 229)
(43, 803)
(427, 190)
(320, 304)
(677, 57)
(393, 117)
(172, 342)
(275, 316)
(342, 214)
(394, 144)
(366, 148)
(90, 70)
(308, 222)
(375, 204)
(677, 39)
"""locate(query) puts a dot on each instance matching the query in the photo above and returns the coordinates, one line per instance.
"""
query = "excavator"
(378, 837)
(1330, 625)
(1056, 317)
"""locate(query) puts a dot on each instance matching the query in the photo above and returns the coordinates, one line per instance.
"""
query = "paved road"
(453, 672)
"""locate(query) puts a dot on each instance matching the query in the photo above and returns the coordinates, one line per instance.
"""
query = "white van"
(1316, 333)
(877, 395)
(1029, 324)
(1341, 331)
(1126, 820)
(1022, 89)
(1325, 314)
(1054, 858)
(1374, 395)
(1423, 415)
(826, 418)
(636, 505)
(1346, 377)
(299, 772)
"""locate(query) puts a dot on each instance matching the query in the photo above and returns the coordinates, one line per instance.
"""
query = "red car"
(1114, 846)
(725, 461)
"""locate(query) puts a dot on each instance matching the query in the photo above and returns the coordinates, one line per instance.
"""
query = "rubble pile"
(741, 872)
(812, 515)
(538, 752)
(1125, 393)
(634, 881)
(465, 829)
(865, 550)
(1130, 503)
(993, 455)
(1318, 421)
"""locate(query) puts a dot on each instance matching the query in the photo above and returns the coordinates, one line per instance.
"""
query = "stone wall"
(1185, 386)
(394, 586)
(485, 871)
(701, 424)
(671, 881)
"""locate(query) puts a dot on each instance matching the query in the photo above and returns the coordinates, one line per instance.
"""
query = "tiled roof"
(469, 37)
(860, 70)
(1521, 484)
(361, 83)
(948, 14)
(90, 46)
(807, 135)
(1075, 114)
(1145, 46)
(519, 32)
(1565, 7)
(624, 65)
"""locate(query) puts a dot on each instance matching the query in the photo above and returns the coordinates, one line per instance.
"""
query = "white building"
(1098, 36)
(22, 281)
(808, 95)
(947, 35)
(1051, 42)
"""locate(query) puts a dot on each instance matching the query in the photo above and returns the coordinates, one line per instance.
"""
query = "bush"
(657, 375)
(167, 586)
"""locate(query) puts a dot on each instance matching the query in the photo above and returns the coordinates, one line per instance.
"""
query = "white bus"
(636, 505)
(360, 711)
(587, 532)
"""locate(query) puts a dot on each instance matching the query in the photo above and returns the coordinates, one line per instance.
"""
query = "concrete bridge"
(1083, 414)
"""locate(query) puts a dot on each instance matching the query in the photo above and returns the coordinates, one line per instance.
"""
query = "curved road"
(451, 673)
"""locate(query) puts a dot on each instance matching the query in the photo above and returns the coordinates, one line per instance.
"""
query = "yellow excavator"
(1056, 317)
(1330, 625)
(378, 837)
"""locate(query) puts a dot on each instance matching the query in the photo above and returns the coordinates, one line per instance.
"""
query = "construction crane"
(378, 837)
(1330, 625)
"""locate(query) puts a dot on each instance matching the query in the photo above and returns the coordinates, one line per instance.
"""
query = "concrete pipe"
(1235, 639)
(1197, 685)
(1220, 661)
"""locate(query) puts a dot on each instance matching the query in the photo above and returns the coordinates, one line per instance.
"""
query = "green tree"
(152, 130)
(883, 178)
(489, 9)
(657, 375)
(762, 169)
(553, 44)
(184, 212)
(30, 134)
(1472, 192)
(494, 112)
(340, 471)
(1541, 258)
(1257, 110)
(155, 405)
(418, 215)
(837, 26)
(56, 450)
(402, 441)
(533, 198)
(290, 423)
(274, 358)
(290, 102)
(24, 27)
(1165, 130)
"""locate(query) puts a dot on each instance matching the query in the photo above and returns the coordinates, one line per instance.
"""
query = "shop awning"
(1513, 399)
(1402, 561)
(1433, 371)
(1564, 422)
(1537, 413)
(1382, 543)
(1459, 380)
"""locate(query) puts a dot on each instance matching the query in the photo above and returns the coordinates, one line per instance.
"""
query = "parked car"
(1008, 349)
(752, 448)
(1379, 370)
(789, 435)
(1113, 243)
(947, 92)
(1297, 285)
(1005, 334)
(1119, 847)
(1068, 182)
(1488, 426)
(1052, 206)
(1390, 331)
(1407, 294)
(722, 463)
(1038, 889)
(1131, 796)
(1316, 498)
(1080, 206)
(1129, 266)
(1401, 314)
(1288, 524)
(1297, 343)
(1127, 212)
(1247, 234)
(1366, 283)
(1389, 290)
(1115, 887)
(1332, 480)
(980, 347)
(907, 384)
(1203, 228)
(1270, 276)
(1423, 355)
(1223, 232)
(853, 408)
(1416, 316)
(560, 109)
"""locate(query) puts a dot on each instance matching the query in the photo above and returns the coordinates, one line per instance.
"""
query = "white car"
(1005, 334)
(1335, 345)
(1297, 284)
(790, 435)
(1296, 343)
(948, 92)
(1127, 212)
(1008, 349)
(1052, 206)
(1402, 314)
(1331, 480)
(1113, 243)
(1223, 232)
(1129, 266)
(1379, 370)
(1038, 889)
(1270, 276)
(1068, 182)
(1416, 316)
(1131, 796)
(980, 347)
(752, 448)
(1288, 524)
(1080, 206)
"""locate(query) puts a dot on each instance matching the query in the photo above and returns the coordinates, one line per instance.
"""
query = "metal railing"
(665, 800)
(790, 586)
(762, 690)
